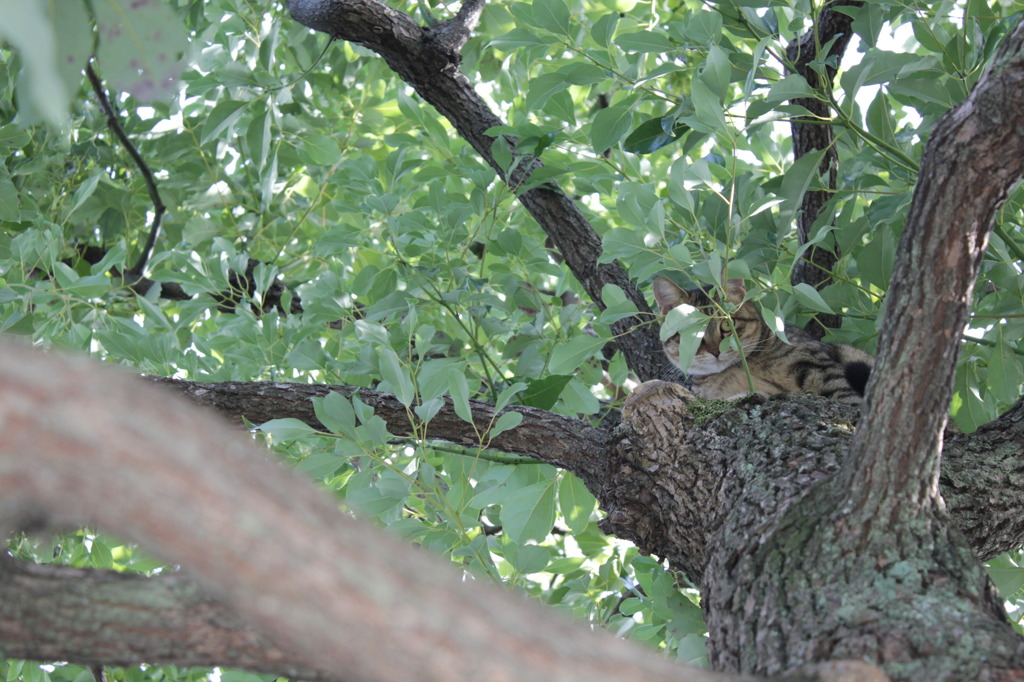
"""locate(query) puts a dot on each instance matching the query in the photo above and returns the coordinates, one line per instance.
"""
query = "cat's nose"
(714, 352)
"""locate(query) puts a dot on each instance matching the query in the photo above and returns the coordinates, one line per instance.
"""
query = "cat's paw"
(656, 391)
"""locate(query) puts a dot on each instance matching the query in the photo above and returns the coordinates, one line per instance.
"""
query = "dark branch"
(979, 477)
(812, 133)
(165, 620)
(432, 70)
(134, 273)
(572, 444)
(456, 31)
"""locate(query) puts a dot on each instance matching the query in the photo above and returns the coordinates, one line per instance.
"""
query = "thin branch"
(979, 470)
(134, 273)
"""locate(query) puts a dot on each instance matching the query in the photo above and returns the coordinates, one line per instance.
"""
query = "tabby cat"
(836, 371)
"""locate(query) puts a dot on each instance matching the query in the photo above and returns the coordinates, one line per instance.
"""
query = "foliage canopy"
(409, 267)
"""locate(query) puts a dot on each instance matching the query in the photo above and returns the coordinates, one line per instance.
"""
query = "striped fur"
(835, 371)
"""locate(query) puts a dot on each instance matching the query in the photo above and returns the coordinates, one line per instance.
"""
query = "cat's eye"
(726, 327)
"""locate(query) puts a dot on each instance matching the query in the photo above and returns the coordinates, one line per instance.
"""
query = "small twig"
(134, 273)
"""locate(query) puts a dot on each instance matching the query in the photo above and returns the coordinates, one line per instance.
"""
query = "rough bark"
(866, 563)
(813, 133)
(753, 481)
(973, 158)
(104, 618)
(981, 474)
(565, 442)
(427, 59)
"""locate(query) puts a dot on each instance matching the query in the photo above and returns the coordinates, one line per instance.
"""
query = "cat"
(836, 371)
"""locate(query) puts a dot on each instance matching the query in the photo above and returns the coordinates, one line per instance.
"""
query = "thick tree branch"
(778, 589)
(456, 31)
(572, 444)
(66, 403)
(973, 158)
(980, 476)
(56, 613)
(86, 445)
(104, 618)
(432, 70)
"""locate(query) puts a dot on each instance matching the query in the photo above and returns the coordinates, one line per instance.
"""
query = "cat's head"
(745, 322)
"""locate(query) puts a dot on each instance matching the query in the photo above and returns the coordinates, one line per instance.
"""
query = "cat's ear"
(668, 294)
(735, 291)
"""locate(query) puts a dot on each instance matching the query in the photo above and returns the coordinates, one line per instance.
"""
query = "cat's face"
(711, 358)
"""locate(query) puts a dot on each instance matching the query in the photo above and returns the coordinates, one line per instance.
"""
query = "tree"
(337, 233)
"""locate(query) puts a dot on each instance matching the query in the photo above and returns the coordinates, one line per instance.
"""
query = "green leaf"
(506, 395)
(790, 87)
(703, 28)
(716, 72)
(286, 429)
(506, 422)
(617, 306)
(544, 392)
(527, 558)
(622, 243)
(8, 198)
(1005, 373)
(708, 115)
(429, 409)
(568, 356)
(335, 412)
(1007, 575)
(542, 88)
(258, 137)
(551, 15)
(84, 191)
(651, 135)
(27, 28)
(609, 126)
(396, 375)
(459, 391)
(645, 41)
(224, 115)
(529, 513)
(583, 73)
(603, 29)
(809, 296)
(575, 502)
(319, 150)
(689, 323)
(796, 182)
(518, 37)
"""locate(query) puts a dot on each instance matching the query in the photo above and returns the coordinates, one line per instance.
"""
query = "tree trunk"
(866, 564)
